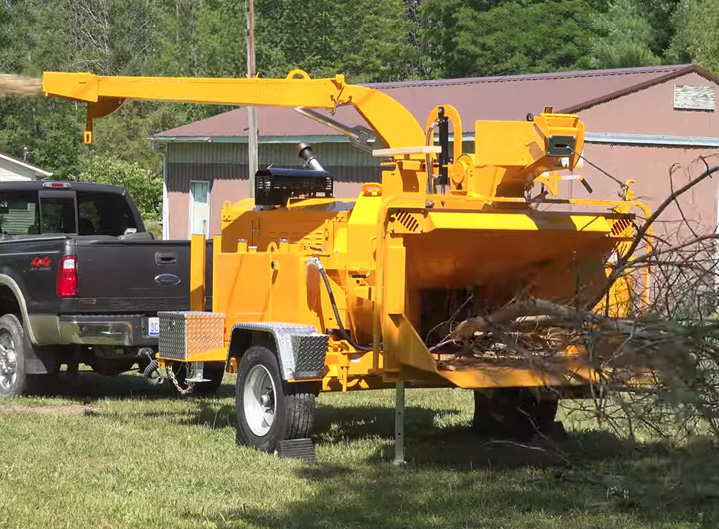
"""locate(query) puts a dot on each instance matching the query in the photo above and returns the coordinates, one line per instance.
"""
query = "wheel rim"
(8, 361)
(259, 400)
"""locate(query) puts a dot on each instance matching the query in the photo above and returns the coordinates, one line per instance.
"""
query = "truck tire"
(14, 347)
(269, 409)
(513, 412)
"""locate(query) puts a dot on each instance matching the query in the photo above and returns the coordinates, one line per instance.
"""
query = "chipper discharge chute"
(405, 283)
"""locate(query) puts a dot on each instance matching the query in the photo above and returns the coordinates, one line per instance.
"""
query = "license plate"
(153, 326)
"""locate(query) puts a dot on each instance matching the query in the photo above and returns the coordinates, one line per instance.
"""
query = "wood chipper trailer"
(314, 293)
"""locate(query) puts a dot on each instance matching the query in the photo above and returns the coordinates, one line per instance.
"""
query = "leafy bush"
(144, 186)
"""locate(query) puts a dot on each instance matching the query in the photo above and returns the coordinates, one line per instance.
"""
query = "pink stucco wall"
(651, 168)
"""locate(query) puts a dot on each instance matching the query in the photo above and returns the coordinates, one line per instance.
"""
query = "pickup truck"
(81, 281)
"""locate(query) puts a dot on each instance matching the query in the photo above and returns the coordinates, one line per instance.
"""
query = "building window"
(687, 97)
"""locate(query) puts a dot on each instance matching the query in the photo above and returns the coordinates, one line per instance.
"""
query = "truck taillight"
(67, 277)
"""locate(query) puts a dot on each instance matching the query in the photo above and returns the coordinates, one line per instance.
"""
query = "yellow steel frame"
(395, 125)
(395, 241)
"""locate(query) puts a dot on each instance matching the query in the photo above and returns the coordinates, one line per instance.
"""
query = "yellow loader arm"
(393, 123)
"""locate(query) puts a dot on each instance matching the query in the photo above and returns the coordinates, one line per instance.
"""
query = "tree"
(700, 35)
(627, 38)
(493, 37)
(144, 186)
(369, 42)
(660, 15)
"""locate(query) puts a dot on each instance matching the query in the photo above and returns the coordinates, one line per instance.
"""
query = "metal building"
(14, 169)
(641, 124)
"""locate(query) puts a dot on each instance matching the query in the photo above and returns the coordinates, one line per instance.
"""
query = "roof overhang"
(690, 68)
(319, 138)
(34, 168)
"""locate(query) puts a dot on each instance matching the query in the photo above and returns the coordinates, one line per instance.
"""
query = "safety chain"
(180, 389)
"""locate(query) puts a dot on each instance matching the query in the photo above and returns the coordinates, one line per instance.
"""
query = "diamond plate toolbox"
(185, 334)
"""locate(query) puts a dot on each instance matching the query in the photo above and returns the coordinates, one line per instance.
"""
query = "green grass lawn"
(144, 458)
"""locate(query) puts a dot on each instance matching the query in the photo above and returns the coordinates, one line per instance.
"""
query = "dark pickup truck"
(81, 281)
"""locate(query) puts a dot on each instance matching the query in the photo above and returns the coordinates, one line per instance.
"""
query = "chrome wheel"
(259, 400)
(8, 361)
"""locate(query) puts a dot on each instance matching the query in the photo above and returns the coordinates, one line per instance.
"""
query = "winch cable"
(622, 185)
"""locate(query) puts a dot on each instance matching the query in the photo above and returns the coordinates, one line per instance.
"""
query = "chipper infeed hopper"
(314, 293)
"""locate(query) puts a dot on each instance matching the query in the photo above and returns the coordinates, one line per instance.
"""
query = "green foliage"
(702, 32)
(507, 37)
(47, 130)
(367, 40)
(627, 37)
(144, 186)
(659, 14)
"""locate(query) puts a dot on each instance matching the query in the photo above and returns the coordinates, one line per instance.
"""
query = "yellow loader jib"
(314, 293)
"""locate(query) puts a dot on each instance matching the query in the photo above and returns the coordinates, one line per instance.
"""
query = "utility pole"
(251, 111)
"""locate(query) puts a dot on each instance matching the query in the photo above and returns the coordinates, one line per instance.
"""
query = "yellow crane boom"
(392, 122)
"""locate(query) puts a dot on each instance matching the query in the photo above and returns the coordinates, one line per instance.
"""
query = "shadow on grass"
(212, 416)
(609, 483)
(454, 478)
(88, 385)
(459, 446)
(583, 495)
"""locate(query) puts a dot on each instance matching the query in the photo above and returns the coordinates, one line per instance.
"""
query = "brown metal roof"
(508, 97)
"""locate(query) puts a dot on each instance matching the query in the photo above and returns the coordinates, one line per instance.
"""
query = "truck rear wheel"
(269, 409)
(513, 412)
(14, 346)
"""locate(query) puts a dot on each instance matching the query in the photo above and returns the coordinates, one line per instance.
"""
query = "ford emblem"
(167, 280)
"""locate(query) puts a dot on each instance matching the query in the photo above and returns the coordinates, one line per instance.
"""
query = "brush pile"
(543, 335)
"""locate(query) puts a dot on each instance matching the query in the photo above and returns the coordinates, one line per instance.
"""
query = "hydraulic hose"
(313, 261)
(430, 178)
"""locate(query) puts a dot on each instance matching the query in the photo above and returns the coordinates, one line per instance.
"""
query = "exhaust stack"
(304, 151)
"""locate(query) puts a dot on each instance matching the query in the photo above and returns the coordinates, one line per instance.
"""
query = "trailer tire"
(513, 412)
(14, 348)
(269, 409)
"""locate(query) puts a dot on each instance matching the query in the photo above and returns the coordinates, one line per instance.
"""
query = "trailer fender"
(300, 349)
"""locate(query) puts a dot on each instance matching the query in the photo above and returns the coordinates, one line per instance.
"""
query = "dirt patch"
(48, 410)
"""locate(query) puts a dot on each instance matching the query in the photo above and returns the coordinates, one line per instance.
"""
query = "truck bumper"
(118, 330)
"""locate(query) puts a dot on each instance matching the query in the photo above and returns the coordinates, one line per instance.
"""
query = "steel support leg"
(399, 424)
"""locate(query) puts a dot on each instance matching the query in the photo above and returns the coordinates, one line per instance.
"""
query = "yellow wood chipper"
(314, 293)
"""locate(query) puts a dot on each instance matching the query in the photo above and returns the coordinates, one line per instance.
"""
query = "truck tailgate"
(139, 277)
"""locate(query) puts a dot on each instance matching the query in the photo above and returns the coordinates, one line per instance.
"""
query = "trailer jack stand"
(399, 424)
